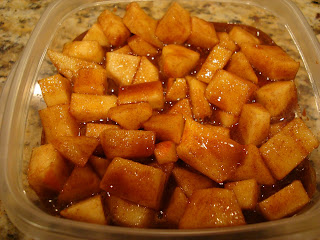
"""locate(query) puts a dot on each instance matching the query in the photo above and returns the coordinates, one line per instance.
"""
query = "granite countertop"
(17, 20)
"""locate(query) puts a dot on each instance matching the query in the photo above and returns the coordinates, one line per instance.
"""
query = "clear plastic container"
(63, 21)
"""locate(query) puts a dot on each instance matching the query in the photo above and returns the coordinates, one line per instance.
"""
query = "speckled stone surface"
(19, 17)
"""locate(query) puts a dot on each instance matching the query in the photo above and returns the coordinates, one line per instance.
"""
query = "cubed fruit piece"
(271, 61)
(90, 81)
(151, 92)
(246, 191)
(176, 89)
(254, 124)
(47, 171)
(203, 34)
(88, 107)
(277, 97)
(200, 105)
(89, 210)
(95, 33)
(87, 50)
(141, 24)
(165, 152)
(99, 164)
(229, 92)
(166, 126)
(69, 66)
(57, 121)
(177, 61)
(121, 68)
(176, 207)
(141, 47)
(127, 143)
(276, 127)
(216, 60)
(284, 151)
(166, 168)
(81, 184)
(76, 149)
(55, 90)
(215, 156)
(175, 25)
(191, 181)
(224, 118)
(128, 214)
(240, 66)
(113, 28)
(147, 72)
(123, 50)
(135, 182)
(285, 202)
(183, 107)
(226, 42)
(219, 130)
(240, 35)
(94, 129)
(253, 167)
(211, 208)
(131, 116)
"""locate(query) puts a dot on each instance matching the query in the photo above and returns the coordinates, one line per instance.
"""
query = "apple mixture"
(172, 123)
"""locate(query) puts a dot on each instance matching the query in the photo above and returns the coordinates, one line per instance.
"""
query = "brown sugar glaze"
(304, 171)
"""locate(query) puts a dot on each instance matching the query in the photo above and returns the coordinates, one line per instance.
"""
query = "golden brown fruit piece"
(226, 41)
(47, 171)
(89, 210)
(134, 182)
(165, 152)
(141, 47)
(226, 119)
(127, 143)
(91, 81)
(211, 208)
(183, 107)
(99, 164)
(147, 72)
(177, 89)
(95, 33)
(176, 207)
(240, 36)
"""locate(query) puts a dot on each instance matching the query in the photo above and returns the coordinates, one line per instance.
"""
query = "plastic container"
(63, 21)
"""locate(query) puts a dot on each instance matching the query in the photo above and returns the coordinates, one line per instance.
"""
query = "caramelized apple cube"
(131, 116)
(175, 25)
(215, 156)
(271, 61)
(123, 50)
(211, 208)
(254, 124)
(285, 202)
(141, 24)
(277, 97)
(69, 66)
(226, 42)
(88, 50)
(240, 35)
(253, 167)
(99, 164)
(76, 149)
(95, 33)
(94, 129)
(176, 89)
(176, 207)
(81, 184)
(165, 152)
(200, 105)
(240, 66)
(219, 130)
(135, 182)
(216, 60)
(128, 214)
(113, 28)
(168, 127)
(47, 171)
(203, 33)
(89, 210)
(57, 121)
(151, 92)
(88, 107)
(121, 68)
(55, 90)
(229, 92)
(177, 61)
(284, 151)
(226, 119)
(127, 143)
(191, 181)
(183, 107)
(91, 81)
(246, 191)
(147, 72)
(141, 47)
